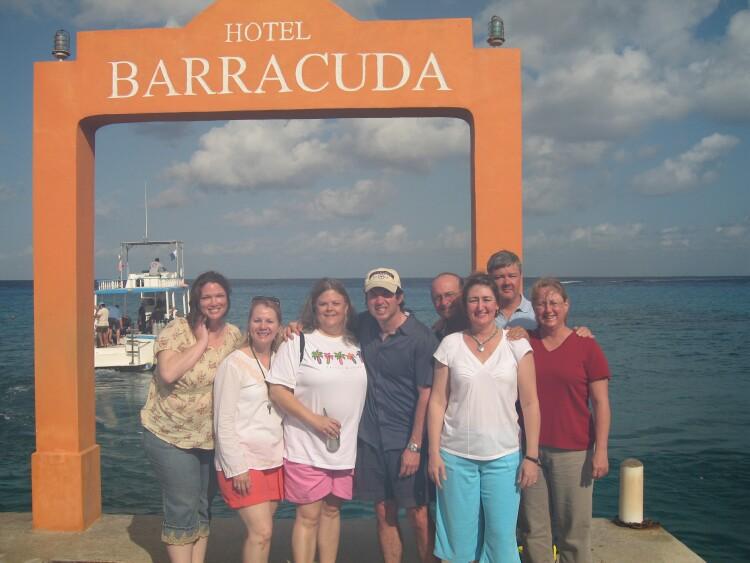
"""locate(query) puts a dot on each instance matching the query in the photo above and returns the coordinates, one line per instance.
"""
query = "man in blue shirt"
(515, 310)
(391, 454)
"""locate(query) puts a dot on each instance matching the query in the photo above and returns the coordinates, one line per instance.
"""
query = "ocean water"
(680, 391)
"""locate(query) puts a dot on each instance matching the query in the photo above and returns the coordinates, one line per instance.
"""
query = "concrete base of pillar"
(66, 494)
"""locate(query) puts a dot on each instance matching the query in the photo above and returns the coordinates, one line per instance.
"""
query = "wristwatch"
(413, 447)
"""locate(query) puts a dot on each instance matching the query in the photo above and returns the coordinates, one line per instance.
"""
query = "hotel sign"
(231, 74)
(238, 59)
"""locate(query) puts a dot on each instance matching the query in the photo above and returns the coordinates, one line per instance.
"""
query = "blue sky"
(636, 137)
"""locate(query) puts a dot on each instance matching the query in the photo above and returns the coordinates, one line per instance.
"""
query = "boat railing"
(136, 281)
(109, 284)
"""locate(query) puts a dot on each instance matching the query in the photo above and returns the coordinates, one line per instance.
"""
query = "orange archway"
(235, 60)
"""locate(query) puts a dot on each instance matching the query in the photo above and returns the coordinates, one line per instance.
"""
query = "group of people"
(475, 415)
(109, 324)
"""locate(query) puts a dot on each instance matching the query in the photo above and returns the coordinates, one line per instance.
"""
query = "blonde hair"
(271, 304)
(548, 283)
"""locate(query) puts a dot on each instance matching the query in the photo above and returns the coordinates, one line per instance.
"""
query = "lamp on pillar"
(62, 45)
(496, 32)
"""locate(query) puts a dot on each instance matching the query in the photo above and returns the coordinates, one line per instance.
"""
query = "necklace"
(260, 367)
(262, 371)
(480, 345)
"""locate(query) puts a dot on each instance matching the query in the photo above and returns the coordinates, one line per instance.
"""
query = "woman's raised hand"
(290, 330)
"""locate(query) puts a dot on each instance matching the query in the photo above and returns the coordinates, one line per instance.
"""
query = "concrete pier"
(135, 539)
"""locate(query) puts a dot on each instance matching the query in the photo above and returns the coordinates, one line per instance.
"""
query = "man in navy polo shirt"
(391, 454)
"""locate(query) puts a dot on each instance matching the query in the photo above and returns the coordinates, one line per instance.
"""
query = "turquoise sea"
(680, 392)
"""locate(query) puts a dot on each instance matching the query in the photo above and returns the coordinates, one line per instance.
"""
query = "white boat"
(159, 293)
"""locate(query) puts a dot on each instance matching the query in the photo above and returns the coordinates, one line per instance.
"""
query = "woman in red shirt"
(572, 373)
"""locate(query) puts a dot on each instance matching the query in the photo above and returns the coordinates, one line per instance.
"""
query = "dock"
(120, 538)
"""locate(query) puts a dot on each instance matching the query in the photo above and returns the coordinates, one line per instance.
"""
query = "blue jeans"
(477, 508)
(188, 485)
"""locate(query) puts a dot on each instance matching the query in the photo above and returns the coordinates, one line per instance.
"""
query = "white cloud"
(732, 231)
(688, 171)
(608, 69)
(361, 240)
(674, 237)
(246, 155)
(735, 231)
(88, 13)
(600, 96)
(550, 184)
(551, 32)
(601, 236)
(245, 248)
(253, 218)
(363, 200)
(406, 143)
(606, 233)
(451, 238)
(176, 196)
(138, 12)
(722, 78)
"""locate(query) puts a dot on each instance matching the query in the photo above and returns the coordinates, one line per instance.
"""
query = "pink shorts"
(304, 483)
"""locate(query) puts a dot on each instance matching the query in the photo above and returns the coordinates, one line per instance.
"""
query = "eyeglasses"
(264, 298)
(552, 303)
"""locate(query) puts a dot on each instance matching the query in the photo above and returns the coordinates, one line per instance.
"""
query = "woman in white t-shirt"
(474, 436)
(247, 430)
(318, 379)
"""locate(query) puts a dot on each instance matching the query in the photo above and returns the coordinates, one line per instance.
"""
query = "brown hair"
(479, 278)
(195, 294)
(308, 317)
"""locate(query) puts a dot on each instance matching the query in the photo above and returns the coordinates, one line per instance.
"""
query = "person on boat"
(476, 458)
(156, 267)
(115, 324)
(125, 325)
(318, 379)
(445, 292)
(143, 326)
(177, 417)
(247, 430)
(101, 322)
(572, 373)
(391, 459)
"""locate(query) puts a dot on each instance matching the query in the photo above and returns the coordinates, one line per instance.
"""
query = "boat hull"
(134, 354)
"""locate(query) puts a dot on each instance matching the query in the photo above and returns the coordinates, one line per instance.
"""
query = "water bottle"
(332, 444)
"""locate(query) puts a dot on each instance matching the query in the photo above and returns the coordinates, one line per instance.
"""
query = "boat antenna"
(145, 206)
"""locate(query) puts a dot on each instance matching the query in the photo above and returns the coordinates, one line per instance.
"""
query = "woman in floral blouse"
(177, 416)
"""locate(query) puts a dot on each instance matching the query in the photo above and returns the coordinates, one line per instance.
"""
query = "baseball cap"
(383, 277)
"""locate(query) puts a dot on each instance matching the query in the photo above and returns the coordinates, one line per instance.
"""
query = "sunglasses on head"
(264, 298)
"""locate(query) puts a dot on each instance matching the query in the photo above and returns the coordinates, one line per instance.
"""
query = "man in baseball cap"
(383, 277)
(391, 453)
